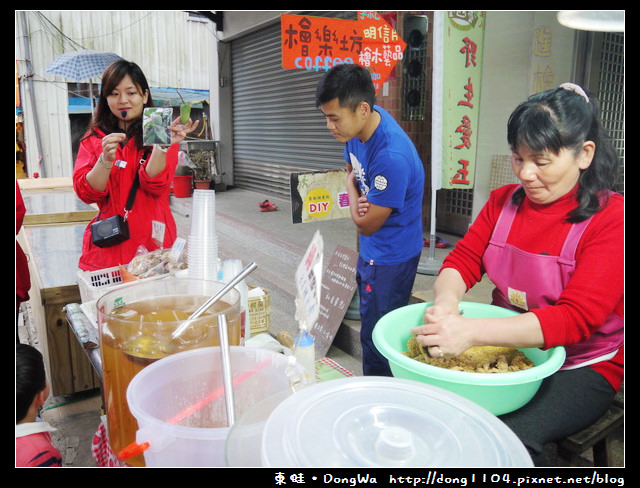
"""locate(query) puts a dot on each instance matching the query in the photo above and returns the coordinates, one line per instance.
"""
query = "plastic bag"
(161, 261)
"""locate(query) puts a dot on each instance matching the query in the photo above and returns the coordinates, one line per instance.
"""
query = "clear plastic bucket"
(179, 402)
(136, 323)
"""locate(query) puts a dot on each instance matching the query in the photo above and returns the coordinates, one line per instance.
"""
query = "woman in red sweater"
(553, 246)
(110, 156)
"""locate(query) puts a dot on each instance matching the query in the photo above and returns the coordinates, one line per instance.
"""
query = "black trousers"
(566, 402)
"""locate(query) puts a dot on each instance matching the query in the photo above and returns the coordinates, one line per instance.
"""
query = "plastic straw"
(226, 369)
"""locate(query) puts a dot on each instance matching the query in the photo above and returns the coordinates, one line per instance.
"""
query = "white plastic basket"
(94, 284)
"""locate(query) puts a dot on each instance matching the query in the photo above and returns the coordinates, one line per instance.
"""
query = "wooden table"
(55, 207)
(54, 252)
(52, 239)
(53, 201)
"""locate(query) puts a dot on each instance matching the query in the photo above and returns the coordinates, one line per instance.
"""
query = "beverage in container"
(136, 325)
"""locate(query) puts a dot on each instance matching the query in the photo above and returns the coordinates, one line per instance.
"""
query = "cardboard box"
(259, 302)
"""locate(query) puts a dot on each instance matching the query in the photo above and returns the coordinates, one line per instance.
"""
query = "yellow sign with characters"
(318, 203)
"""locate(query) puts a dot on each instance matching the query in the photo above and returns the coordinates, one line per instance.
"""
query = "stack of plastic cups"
(202, 250)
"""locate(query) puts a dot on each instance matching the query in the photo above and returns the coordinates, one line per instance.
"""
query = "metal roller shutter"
(277, 128)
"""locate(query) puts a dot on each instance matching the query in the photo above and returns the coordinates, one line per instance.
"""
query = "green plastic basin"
(499, 393)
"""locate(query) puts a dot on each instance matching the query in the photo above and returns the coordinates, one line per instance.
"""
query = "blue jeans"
(382, 288)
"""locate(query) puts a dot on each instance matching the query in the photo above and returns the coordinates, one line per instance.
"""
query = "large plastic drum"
(179, 401)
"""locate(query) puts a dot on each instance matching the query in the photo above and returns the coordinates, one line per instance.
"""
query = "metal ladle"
(206, 305)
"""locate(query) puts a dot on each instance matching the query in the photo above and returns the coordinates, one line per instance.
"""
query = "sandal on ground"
(440, 243)
(267, 206)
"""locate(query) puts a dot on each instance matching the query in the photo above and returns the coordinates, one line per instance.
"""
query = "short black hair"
(31, 378)
(349, 83)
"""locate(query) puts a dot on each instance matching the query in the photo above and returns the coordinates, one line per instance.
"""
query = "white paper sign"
(309, 282)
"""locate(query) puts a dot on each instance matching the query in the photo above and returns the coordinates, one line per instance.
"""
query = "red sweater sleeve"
(596, 288)
(159, 184)
(88, 152)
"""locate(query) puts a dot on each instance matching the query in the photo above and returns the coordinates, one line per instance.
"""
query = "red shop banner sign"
(319, 43)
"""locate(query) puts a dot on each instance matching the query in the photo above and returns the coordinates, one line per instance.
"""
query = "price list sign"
(338, 288)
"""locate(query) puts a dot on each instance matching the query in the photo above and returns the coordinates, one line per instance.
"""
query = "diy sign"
(318, 195)
(319, 43)
(338, 287)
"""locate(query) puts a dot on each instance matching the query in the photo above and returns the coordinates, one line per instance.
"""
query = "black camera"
(109, 232)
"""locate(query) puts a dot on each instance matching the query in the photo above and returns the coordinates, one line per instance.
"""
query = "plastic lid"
(379, 421)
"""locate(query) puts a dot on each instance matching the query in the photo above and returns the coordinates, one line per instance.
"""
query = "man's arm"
(367, 217)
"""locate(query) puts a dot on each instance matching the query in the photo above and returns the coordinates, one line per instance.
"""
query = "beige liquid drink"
(135, 332)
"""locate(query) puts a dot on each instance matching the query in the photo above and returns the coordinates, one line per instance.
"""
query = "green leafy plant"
(202, 164)
(183, 170)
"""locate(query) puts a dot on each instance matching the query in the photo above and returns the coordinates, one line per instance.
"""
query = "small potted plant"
(202, 165)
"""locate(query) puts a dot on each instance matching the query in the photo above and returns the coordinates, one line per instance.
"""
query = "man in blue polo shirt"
(385, 182)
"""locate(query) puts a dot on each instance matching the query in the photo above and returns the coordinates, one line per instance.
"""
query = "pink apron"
(525, 281)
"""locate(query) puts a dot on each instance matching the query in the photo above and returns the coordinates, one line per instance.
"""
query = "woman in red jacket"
(553, 246)
(109, 157)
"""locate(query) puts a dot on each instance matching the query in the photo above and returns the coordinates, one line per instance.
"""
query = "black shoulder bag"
(114, 230)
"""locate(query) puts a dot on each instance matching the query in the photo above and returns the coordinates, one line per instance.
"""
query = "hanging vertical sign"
(463, 39)
(319, 43)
